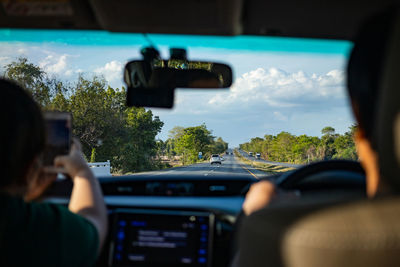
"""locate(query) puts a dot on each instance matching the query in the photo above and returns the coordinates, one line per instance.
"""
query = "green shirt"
(44, 234)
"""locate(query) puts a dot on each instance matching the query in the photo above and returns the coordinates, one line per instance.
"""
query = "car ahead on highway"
(288, 60)
(215, 159)
(258, 155)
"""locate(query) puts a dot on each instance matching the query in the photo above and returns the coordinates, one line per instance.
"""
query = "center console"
(143, 237)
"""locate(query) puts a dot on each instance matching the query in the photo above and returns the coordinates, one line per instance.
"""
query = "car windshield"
(288, 101)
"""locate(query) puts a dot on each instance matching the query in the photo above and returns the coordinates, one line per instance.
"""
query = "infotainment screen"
(161, 238)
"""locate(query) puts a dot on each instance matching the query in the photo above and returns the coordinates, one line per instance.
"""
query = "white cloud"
(68, 73)
(279, 116)
(55, 64)
(277, 88)
(111, 70)
(22, 51)
(4, 60)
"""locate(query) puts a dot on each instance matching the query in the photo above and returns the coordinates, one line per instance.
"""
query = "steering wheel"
(324, 174)
(344, 174)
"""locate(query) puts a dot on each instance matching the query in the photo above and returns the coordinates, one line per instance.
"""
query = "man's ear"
(364, 148)
(359, 135)
(362, 143)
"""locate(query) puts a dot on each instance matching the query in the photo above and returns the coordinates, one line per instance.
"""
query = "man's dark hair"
(364, 70)
(23, 133)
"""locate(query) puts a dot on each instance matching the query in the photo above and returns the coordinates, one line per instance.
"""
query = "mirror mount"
(178, 54)
(150, 54)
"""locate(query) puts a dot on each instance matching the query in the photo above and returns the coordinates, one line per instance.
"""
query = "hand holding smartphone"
(58, 139)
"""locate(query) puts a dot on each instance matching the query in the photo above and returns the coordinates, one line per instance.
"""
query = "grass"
(265, 167)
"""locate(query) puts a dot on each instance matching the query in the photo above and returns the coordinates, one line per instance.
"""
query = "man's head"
(364, 74)
(364, 71)
(23, 134)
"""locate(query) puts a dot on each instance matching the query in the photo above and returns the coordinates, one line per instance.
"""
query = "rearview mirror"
(151, 82)
(176, 73)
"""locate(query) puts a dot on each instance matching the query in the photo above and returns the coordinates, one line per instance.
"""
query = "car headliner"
(334, 19)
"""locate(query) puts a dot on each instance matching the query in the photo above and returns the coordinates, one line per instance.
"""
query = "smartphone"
(58, 138)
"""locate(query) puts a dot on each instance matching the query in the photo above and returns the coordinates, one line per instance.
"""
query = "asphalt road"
(230, 167)
(244, 154)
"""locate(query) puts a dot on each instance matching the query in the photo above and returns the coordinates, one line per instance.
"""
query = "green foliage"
(328, 131)
(185, 146)
(219, 146)
(32, 78)
(286, 147)
(176, 132)
(93, 155)
(107, 129)
(192, 141)
(188, 142)
(344, 145)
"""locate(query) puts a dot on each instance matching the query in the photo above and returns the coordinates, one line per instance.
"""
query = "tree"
(194, 140)
(170, 148)
(188, 142)
(327, 142)
(304, 148)
(106, 128)
(202, 137)
(345, 146)
(286, 147)
(161, 147)
(30, 77)
(282, 147)
(267, 144)
(185, 146)
(328, 130)
(219, 146)
(176, 132)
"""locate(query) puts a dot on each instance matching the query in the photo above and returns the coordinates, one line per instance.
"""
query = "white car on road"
(215, 159)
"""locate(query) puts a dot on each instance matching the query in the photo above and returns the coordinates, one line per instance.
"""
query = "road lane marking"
(248, 171)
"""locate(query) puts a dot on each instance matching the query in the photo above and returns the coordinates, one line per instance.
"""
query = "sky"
(280, 84)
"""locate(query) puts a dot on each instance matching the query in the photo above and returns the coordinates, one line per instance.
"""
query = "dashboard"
(174, 221)
(179, 220)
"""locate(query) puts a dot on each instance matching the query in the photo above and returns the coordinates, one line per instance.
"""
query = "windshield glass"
(288, 102)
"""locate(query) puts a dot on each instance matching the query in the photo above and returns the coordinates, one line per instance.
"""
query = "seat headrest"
(365, 233)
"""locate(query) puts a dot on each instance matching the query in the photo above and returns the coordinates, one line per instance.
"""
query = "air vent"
(217, 188)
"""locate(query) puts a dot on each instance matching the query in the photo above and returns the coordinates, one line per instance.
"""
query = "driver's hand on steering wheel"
(259, 196)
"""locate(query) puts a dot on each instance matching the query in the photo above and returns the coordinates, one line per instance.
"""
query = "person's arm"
(86, 198)
(259, 196)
